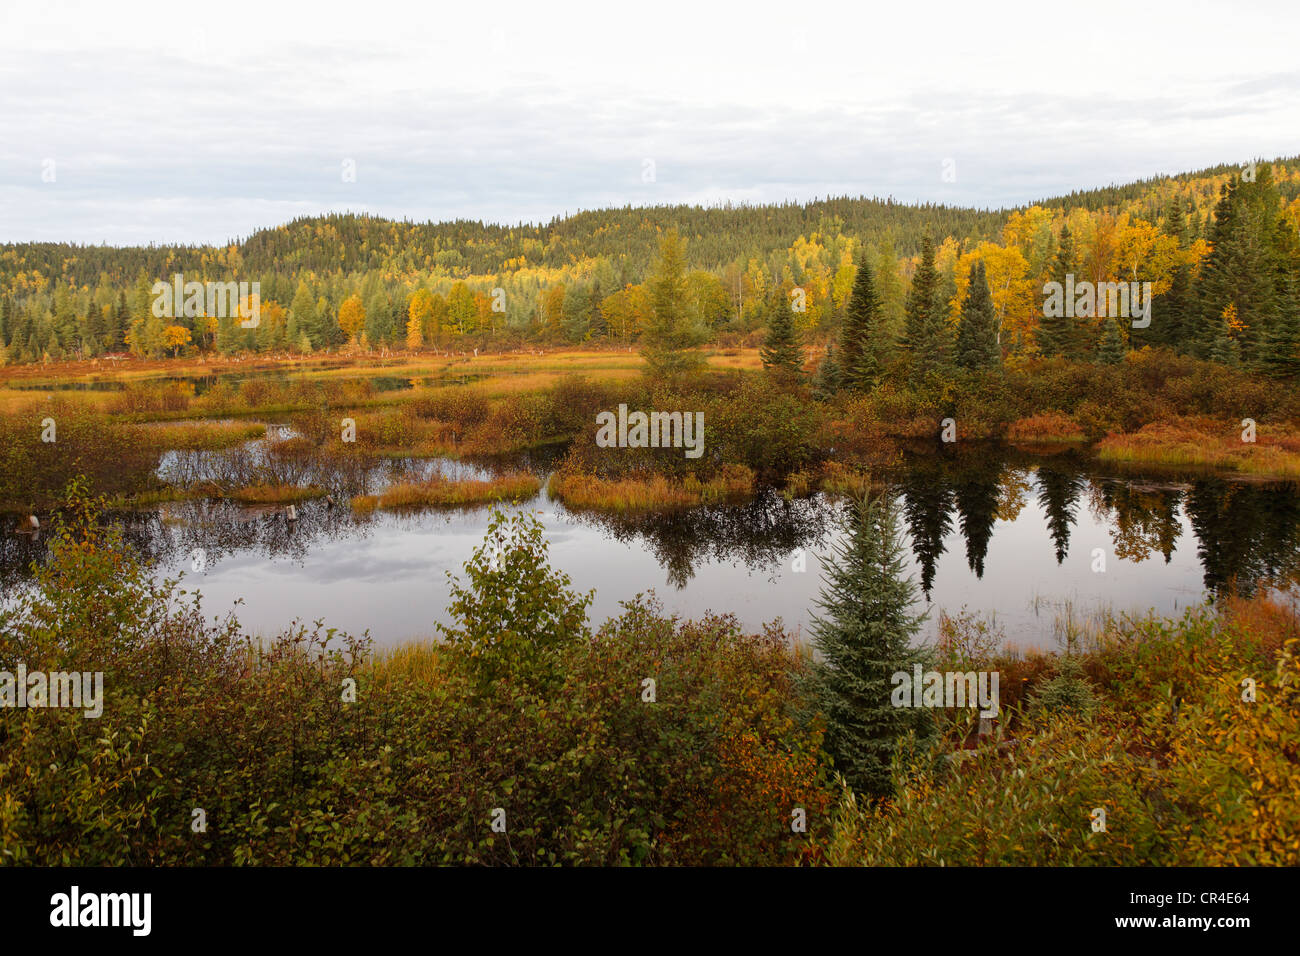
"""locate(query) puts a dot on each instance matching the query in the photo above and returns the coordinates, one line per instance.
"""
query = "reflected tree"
(1059, 488)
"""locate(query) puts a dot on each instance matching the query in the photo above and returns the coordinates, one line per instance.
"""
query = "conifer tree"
(1175, 323)
(827, 380)
(1280, 353)
(926, 337)
(669, 342)
(863, 634)
(1224, 349)
(1242, 267)
(302, 311)
(1172, 314)
(862, 338)
(97, 325)
(1112, 349)
(1055, 337)
(920, 300)
(121, 322)
(781, 351)
(977, 335)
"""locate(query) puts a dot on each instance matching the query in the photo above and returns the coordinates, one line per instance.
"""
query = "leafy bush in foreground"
(270, 748)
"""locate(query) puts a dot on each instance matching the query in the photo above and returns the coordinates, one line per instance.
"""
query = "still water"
(993, 530)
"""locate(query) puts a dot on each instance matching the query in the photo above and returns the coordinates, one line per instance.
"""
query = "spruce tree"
(862, 336)
(863, 635)
(927, 339)
(1054, 333)
(781, 352)
(977, 335)
(121, 323)
(1224, 349)
(1171, 315)
(1112, 348)
(920, 302)
(939, 331)
(1280, 353)
(827, 380)
(1241, 269)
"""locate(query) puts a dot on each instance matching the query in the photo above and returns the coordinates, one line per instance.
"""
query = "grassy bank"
(1203, 443)
(1156, 408)
(641, 493)
(443, 492)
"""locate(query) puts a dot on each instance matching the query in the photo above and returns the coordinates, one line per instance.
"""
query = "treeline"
(1218, 247)
(1231, 295)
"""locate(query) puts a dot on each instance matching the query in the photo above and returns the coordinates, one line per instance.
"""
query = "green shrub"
(288, 766)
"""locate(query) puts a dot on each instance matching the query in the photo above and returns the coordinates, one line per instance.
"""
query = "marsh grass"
(200, 435)
(841, 480)
(444, 492)
(1206, 444)
(418, 663)
(583, 490)
(1046, 428)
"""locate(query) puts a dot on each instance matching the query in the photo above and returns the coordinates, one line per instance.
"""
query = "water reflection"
(991, 527)
(759, 535)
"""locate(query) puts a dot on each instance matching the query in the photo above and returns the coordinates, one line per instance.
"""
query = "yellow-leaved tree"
(175, 336)
(352, 316)
(420, 310)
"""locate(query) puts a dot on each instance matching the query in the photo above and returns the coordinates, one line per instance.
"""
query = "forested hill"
(716, 235)
(347, 243)
(1220, 249)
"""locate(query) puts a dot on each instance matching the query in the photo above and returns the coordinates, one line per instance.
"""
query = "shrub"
(289, 766)
(1067, 692)
(514, 614)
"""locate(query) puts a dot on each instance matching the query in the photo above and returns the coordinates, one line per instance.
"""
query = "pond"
(1029, 539)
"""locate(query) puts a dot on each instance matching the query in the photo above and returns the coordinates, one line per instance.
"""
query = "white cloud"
(171, 124)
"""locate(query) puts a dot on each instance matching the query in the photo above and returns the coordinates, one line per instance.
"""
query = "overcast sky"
(170, 122)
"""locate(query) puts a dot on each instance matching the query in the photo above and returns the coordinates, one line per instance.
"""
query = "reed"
(649, 492)
(416, 663)
(1204, 444)
(443, 492)
(200, 436)
(1046, 427)
(844, 480)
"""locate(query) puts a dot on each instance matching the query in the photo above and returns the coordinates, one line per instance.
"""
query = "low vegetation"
(1206, 444)
(645, 740)
(587, 491)
(443, 492)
